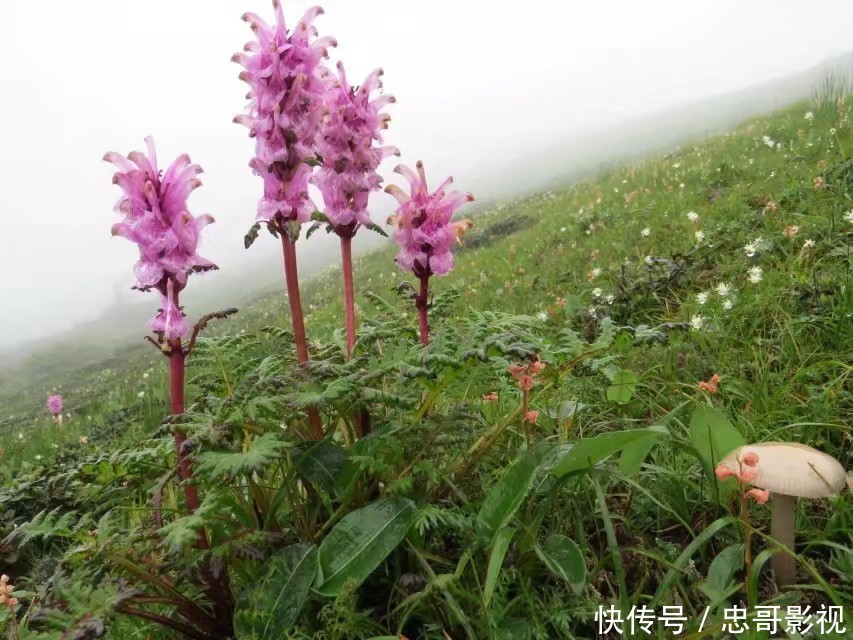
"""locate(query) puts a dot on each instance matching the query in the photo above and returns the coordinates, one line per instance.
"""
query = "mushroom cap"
(791, 469)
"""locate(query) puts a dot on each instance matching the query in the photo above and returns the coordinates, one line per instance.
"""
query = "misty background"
(507, 97)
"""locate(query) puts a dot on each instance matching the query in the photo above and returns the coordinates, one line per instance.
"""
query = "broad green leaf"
(496, 560)
(513, 629)
(622, 387)
(632, 457)
(506, 497)
(263, 452)
(325, 465)
(270, 605)
(361, 541)
(590, 451)
(565, 560)
(721, 572)
(713, 436)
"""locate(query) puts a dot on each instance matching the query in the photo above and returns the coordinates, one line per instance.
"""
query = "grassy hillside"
(730, 257)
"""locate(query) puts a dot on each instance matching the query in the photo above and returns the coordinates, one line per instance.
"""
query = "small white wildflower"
(646, 232)
(849, 216)
(144, 375)
(832, 131)
(808, 244)
(596, 293)
(769, 141)
(595, 273)
(755, 275)
(610, 298)
(649, 260)
(809, 116)
(692, 216)
(591, 311)
(699, 235)
(38, 457)
(702, 297)
(697, 322)
(542, 316)
(562, 229)
(681, 186)
(723, 289)
(20, 436)
(676, 165)
(751, 248)
(728, 304)
(84, 439)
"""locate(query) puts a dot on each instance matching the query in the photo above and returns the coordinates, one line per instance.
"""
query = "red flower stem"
(291, 277)
(349, 291)
(421, 303)
(176, 394)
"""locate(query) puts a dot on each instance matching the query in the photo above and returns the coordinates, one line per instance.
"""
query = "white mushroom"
(788, 471)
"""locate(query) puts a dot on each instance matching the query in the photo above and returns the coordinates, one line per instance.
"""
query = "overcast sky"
(477, 82)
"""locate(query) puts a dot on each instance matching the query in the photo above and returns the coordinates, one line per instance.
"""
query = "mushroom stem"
(782, 522)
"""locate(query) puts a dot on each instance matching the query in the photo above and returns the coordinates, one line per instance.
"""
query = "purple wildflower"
(287, 83)
(353, 122)
(54, 404)
(154, 206)
(424, 230)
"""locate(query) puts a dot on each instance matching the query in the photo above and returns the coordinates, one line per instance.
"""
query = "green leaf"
(565, 560)
(264, 451)
(496, 560)
(252, 235)
(632, 457)
(513, 629)
(589, 451)
(506, 497)
(270, 605)
(361, 541)
(376, 229)
(622, 387)
(325, 465)
(721, 572)
(713, 436)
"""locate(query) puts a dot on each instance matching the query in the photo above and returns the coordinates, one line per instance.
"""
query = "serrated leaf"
(361, 541)
(251, 235)
(271, 604)
(263, 452)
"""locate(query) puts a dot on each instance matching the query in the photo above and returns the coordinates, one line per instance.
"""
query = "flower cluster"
(424, 230)
(156, 218)
(711, 385)
(6, 590)
(524, 374)
(352, 124)
(288, 84)
(747, 473)
(54, 404)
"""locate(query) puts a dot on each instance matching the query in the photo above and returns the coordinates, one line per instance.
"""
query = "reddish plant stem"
(421, 303)
(291, 277)
(176, 394)
(349, 291)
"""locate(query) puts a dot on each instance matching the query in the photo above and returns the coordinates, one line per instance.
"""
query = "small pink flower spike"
(349, 133)
(748, 474)
(425, 233)
(531, 416)
(759, 495)
(723, 472)
(54, 404)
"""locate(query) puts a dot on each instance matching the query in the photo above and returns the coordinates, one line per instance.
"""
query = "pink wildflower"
(711, 385)
(54, 404)
(531, 416)
(425, 233)
(288, 83)
(6, 590)
(723, 472)
(352, 124)
(759, 495)
(156, 218)
(492, 396)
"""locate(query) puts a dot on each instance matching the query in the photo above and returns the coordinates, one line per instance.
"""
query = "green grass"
(620, 246)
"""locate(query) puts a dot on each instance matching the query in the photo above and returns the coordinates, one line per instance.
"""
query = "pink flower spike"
(531, 416)
(425, 232)
(759, 495)
(349, 134)
(723, 472)
(748, 474)
(54, 405)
